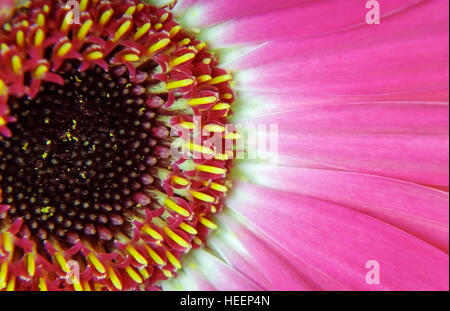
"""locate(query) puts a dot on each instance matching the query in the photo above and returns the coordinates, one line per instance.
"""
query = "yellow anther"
(62, 262)
(83, 5)
(164, 17)
(213, 209)
(180, 181)
(217, 187)
(203, 197)
(106, 16)
(11, 284)
(221, 106)
(140, 6)
(136, 255)
(2, 121)
(233, 136)
(204, 78)
(42, 285)
(31, 264)
(20, 38)
(3, 88)
(214, 128)
(122, 30)
(207, 223)
(131, 58)
(189, 229)
(77, 285)
(130, 10)
(7, 242)
(114, 279)
(174, 31)
(228, 96)
(181, 83)
(200, 46)
(173, 260)
(25, 23)
(16, 64)
(95, 55)
(144, 273)
(198, 241)
(64, 49)
(40, 20)
(87, 287)
(96, 263)
(46, 8)
(202, 101)
(84, 29)
(151, 232)
(176, 208)
(176, 238)
(220, 79)
(67, 21)
(182, 59)
(134, 275)
(40, 71)
(158, 46)
(142, 31)
(222, 157)
(184, 42)
(187, 125)
(3, 274)
(211, 169)
(39, 37)
(154, 255)
(167, 273)
(158, 26)
(197, 148)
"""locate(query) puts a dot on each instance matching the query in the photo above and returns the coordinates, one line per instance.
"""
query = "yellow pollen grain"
(220, 79)
(114, 279)
(64, 49)
(16, 64)
(20, 38)
(202, 196)
(173, 260)
(178, 84)
(211, 169)
(151, 232)
(40, 20)
(154, 255)
(62, 262)
(197, 148)
(142, 31)
(39, 37)
(31, 264)
(136, 255)
(174, 31)
(3, 274)
(122, 30)
(134, 275)
(180, 181)
(189, 229)
(182, 59)
(131, 58)
(202, 101)
(130, 10)
(40, 71)
(84, 29)
(97, 264)
(207, 223)
(158, 46)
(176, 208)
(214, 128)
(95, 55)
(203, 78)
(106, 16)
(176, 238)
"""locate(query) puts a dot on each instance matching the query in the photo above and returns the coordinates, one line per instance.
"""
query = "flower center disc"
(112, 131)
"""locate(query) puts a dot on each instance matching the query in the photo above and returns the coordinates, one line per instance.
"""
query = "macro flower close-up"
(224, 145)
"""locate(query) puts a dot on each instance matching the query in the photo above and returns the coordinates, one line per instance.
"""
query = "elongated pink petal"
(340, 241)
(400, 140)
(420, 211)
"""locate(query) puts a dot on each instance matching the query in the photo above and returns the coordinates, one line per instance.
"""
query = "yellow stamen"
(114, 279)
(131, 58)
(87, 287)
(40, 20)
(144, 273)
(64, 49)
(204, 78)
(97, 264)
(31, 265)
(189, 229)
(173, 260)
(62, 262)
(207, 223)
(203, 197)
(133, 274)
(176, 238)
(158, 46)
(95, 55)
(84, 29)
(176, 208)
(106, 16)
(178, 84)
(136, 255)
(20, 38)
(214, 128)
(200, 46)
(202, 101)
(42, 285)
(67, 21)
(174, 31)
(130, 10)
(212, 169)
(217, 187)
(16, 64)
(151, 232)
(7, 242)
(122, 30)
(83, 5)
(142, 31)
(39, 37)
(187, 125)
(154, 255)
(180, 181)
(40, 71)
(3, 274)
(3, 88)
(182, 59)
(202, 149)
(220, 79)
(11, 284)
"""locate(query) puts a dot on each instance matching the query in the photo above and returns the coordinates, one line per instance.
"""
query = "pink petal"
(340, 241)
(400, 140)
(420, 211)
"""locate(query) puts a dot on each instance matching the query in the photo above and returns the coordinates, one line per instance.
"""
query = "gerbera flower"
(88, 179)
